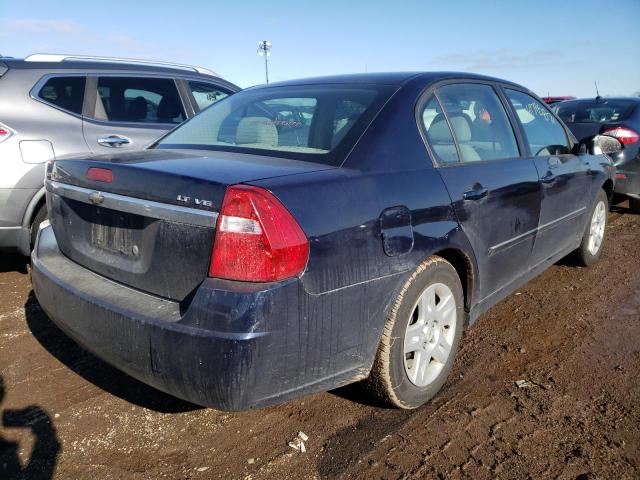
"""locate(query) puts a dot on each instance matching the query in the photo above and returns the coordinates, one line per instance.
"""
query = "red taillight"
(257, 239)
(5, 132)
(100, 175)
(624, 134)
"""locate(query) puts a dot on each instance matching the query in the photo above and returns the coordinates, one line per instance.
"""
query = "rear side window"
(544, 133)
(314, 123)
(206, 94)
(64, 92)
(438, 132)
(138, 100)
(601, 111)
(480, 123)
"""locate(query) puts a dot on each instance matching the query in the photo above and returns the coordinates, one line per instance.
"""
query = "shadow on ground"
(94, 370)
(355, 392)
(46, 446)
(13, 262)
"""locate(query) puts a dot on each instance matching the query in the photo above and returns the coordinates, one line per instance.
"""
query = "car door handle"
(548, 178)
(114, 141)
(476, 193)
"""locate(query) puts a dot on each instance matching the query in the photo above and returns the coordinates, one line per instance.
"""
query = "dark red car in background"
(554, 100)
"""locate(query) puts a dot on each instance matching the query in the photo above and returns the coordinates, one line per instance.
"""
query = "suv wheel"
(421, 337)
(41, 216)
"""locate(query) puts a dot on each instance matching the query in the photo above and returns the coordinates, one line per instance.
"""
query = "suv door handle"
(114, 141)
(476, 194)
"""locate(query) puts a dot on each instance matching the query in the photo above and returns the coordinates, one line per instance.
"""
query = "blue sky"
(548, 46)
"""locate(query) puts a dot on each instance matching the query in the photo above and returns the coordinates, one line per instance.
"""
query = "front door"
(495, 192)
(563, 177)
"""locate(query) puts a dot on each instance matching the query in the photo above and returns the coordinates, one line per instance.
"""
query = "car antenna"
(598, 97)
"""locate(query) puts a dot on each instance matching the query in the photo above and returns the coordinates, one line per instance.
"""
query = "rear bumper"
(10, 237)
(629, 185)
(233, 347)
(628, 178)
(13, 206)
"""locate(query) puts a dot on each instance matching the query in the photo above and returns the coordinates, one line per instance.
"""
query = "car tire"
(594, 235)
(634, 205)
(41, 216)
(407, 378)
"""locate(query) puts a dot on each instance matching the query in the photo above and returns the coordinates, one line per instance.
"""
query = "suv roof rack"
(54, 57)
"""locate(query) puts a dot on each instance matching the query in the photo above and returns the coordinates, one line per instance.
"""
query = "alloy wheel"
(430, 334)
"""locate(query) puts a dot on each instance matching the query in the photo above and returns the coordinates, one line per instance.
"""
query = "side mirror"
(599, 144)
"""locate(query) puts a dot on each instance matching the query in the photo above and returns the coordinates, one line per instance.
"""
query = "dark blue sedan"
(305, 235)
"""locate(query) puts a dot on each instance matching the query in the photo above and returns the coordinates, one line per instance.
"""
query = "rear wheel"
(41, 216)
(593, 238)
(634, 204)
(421, 337)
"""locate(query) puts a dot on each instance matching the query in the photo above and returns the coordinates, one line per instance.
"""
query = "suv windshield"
(592, 111)
(318, 123)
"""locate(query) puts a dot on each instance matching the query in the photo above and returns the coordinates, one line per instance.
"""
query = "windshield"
(318, 123)
(601, 111)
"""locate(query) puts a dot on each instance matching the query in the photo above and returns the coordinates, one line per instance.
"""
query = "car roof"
(386, 78)
(601, 99)
(53, 62)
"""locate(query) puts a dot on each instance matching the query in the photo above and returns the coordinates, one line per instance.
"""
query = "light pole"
(264, 50)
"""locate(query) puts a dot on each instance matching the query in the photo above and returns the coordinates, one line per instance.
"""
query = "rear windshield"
(318, 123)
(602, 111)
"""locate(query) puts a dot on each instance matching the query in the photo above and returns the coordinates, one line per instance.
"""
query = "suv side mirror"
(599, 144)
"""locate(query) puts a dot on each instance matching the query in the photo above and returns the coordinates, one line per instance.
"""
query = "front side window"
(438, 132)
(480, 123)
(138, 100)
(315, 122)
(64, 92)
(544, 133)
(206, 94)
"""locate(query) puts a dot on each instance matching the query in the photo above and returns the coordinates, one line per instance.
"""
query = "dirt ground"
(572, 333)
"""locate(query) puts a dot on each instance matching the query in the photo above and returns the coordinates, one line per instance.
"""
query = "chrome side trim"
(512, 241)
(568, 216)
(136, 206)
(540, 228)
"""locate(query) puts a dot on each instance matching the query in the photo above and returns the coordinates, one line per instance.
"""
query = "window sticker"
(539, 111)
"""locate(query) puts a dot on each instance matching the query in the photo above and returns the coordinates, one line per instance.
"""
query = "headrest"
(137, 109)
(168, 108)
(439, 130)
(257, 130)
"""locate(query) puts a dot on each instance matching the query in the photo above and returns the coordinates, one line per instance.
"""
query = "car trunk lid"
(151, 227)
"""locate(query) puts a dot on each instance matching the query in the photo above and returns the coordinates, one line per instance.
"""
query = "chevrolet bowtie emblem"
(96, 198)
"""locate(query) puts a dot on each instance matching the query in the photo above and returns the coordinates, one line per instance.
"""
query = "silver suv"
(53, 105)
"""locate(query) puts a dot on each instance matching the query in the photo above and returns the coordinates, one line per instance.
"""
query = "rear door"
(495, 192)
(564, 177)
(130, 112)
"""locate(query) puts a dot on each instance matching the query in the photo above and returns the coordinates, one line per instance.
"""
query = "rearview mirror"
(599, 144)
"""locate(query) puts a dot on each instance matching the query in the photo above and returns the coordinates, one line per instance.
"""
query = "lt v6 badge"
(197, 201)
